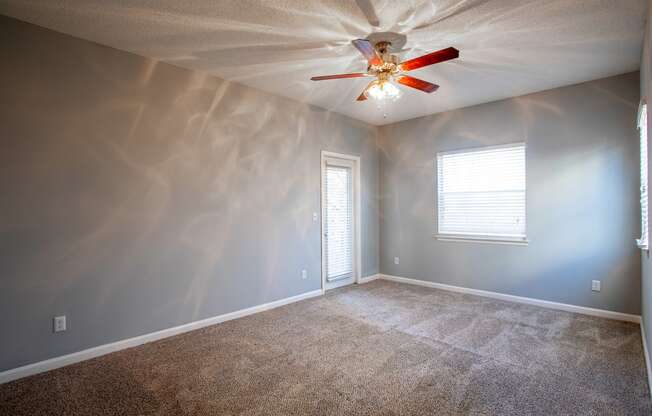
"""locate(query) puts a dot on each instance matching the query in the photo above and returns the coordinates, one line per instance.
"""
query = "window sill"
(481, 239)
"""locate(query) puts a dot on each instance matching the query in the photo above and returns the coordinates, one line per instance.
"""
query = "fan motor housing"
(397, 40)
(390, 62)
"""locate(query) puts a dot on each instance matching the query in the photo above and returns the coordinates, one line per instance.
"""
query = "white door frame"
(357, 233)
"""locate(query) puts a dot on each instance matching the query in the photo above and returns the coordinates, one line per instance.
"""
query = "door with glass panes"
(338, 216)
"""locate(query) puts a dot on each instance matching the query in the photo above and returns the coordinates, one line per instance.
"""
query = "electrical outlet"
(315, 217)
(397, 260)
(304, 274)
(59, 323)
(595, 285)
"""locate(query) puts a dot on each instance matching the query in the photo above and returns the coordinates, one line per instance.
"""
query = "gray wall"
(582, 201)
(646, 94)
(137, 196)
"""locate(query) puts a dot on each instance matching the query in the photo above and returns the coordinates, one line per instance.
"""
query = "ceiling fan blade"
(417, 83)
(339, 76)
(367, 50)
(429, 59)
(363, 95)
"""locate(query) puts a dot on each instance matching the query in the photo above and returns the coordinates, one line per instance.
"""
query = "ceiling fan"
(386, 68)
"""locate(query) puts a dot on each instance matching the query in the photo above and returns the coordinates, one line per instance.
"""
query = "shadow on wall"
(153, 178)
(582, 202)
(138, 196)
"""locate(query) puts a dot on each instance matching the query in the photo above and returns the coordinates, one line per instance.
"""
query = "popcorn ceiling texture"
(379, 349)
(508, 47)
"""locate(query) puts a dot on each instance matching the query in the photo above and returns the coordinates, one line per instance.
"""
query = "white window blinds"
(481, 193)
(339, 222)
(642, 129)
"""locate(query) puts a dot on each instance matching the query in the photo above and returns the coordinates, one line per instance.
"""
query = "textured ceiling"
(507, 47)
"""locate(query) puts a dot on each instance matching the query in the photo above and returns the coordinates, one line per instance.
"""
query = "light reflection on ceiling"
(507, 47)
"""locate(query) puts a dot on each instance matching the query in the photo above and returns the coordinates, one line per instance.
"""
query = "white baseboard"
(368, 279)
(520, 299)
(57, 362)
(648, 363)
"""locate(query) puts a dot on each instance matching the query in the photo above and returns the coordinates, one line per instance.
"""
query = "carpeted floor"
(378, 349)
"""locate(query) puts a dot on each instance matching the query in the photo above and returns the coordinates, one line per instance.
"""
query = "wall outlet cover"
(304, 274)
(595, 285)
(397, 260)
(59, 323)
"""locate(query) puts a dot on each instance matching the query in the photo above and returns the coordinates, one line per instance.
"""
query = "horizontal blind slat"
(338, 221)
(482, 191)
(642, 126)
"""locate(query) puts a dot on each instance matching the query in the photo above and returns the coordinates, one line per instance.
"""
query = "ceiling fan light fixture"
(385, 67)
(383, 90)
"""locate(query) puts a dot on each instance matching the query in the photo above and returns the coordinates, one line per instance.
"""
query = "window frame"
(644, 241)
(487, 238)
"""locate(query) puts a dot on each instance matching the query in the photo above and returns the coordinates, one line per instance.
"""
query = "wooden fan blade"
(429, 59)
(367, 50)
(418, 84)
(339, 76)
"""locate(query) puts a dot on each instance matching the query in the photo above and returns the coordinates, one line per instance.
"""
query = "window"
(642, 129)
(481, 194)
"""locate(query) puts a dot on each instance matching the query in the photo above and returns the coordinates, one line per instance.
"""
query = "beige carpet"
(377, 349)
